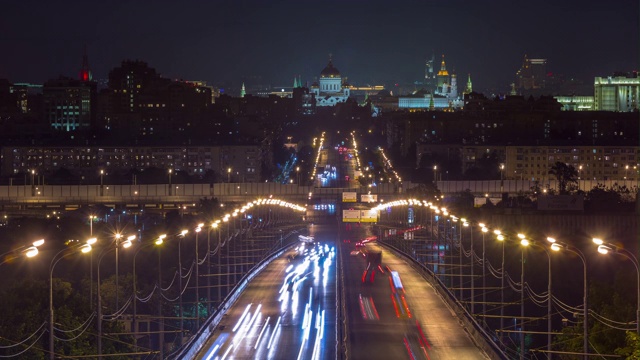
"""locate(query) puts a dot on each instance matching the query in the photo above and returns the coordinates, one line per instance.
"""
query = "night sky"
(270, 42)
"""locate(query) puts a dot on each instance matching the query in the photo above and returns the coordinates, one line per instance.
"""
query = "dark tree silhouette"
(565, 174)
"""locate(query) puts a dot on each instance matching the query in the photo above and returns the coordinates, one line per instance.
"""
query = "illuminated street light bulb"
(551, 240)
(524, 242)
(184, 232)
(38, 242)
(198, 229)
(481, 225)
(126, 244)
(131, 238)
(497, 232)
(602, 249)
(85, 248)
(555, 247)
(521, 236)
(484, 229)
(598, 241)
(31, 251)
(214, 225)
(118, 236)
(92, 241)
(500, 238)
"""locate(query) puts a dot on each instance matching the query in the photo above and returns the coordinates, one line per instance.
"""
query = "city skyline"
(371, 41)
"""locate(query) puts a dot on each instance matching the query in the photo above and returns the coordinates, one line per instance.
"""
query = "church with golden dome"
(330, 88)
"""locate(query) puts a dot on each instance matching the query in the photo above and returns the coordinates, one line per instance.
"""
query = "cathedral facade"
(330, 89)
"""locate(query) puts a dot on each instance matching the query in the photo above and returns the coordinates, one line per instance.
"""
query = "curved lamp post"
(25, 250)
(182, 236)
(125, 244)
(134, 326)
(84, 248)
(557, 246)
(605, 248)
(524, 242)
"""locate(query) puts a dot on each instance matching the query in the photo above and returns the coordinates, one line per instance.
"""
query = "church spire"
(469, 87)
(443, 68)
(243, 92)
(85, 73)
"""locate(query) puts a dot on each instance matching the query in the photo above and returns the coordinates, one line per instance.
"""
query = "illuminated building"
(446, 84)
(330, 90)
(531, 74)
(617, 93)
(429, 77)
(69, 104)
(576, 103)
(244, 160)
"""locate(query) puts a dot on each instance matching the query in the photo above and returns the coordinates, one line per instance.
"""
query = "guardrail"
(196, 342)
(480, 336)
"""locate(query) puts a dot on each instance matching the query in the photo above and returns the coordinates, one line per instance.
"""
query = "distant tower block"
(85, 72)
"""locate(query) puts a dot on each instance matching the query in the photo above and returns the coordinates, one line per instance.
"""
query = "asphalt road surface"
(288, 311)
(401, 319)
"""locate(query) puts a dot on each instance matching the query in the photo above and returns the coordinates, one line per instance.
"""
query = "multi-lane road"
(289, 311)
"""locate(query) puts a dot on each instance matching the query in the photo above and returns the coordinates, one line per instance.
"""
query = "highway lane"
(383, 324)
(297, 321)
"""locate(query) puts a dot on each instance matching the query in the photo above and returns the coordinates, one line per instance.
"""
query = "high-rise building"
(429, 76)
(532, 74)
(69, 104)
(620, 92)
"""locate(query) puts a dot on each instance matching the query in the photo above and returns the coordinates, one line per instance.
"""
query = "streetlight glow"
(598, 241)
(31, 252)
(524, 242)
(38, 242)
(603, 249)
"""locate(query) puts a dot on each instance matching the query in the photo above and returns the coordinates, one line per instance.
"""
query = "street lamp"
(435, 174)
(484, 229)
(134, 326)
(84, 248)
(26, 250)
(33, 185)
(126, 244)
(228, 175)
(557, 246)
(501, 178)
(524, 242)
(298, 175)
(500, 238)
(101, 183)
(197, 305)
(183, 233)
(213, 226)
(170, 171)
(607, 248)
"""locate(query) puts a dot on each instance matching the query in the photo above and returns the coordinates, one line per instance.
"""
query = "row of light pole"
(126, 242)
(552, 245)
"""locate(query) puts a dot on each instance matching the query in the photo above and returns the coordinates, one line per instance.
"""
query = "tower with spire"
(243, 92)
(443, 74)
(469, 87)
(85, 72)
